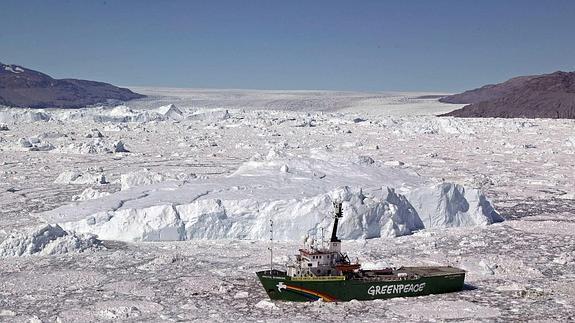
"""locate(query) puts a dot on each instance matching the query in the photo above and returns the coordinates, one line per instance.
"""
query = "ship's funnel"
(337, 214)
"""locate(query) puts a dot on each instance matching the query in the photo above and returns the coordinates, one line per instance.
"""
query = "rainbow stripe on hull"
(312, 295)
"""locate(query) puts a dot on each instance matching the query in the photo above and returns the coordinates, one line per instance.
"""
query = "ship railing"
(309, 278)
(387, 278)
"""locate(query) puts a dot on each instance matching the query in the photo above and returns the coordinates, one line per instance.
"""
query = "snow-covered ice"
(211, 167)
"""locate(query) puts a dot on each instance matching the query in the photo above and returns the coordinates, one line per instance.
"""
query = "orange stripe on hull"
(325, 297)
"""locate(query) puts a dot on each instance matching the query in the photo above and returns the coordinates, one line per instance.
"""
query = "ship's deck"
(409, 273)
(431, 271)
(406, 273)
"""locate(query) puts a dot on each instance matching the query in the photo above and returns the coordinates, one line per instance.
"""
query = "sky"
(438, 46)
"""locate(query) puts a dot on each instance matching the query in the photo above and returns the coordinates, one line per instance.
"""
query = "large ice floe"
(117, 114)
(10, 116)
(296, 193)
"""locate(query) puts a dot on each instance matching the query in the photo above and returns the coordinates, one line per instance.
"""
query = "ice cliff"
(296, 193)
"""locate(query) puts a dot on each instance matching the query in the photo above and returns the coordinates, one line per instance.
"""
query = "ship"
(321, 271)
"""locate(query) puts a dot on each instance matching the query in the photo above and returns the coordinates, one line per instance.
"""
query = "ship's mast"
(337, 215)
(271, 247)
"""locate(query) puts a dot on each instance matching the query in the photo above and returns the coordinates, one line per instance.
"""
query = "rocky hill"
(22, 87)
(536, 96)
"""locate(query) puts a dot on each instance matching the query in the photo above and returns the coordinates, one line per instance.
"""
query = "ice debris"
(35, 144)
(365, 160)
(266, 305)
(565, 258)
(89, 194)
(145, 176)
(75, 177)
(94, 133)
(170, 112)
(210, 115)
(119, 147)
(46, 240)
(122, 114)
(12, 116)
(96, 145)
(140, 177)
(239, 295)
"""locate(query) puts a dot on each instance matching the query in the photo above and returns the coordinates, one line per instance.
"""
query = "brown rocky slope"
(22, 87)
(537, 96)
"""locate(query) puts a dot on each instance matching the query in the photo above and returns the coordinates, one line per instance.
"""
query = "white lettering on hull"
(395, 289)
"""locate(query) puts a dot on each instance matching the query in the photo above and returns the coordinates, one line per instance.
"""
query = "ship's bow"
(272, 281)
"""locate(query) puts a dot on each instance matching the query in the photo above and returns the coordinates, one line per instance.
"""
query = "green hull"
(278, 286)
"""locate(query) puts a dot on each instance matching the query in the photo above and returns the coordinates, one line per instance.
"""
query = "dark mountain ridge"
(22, 87)
(535, 96)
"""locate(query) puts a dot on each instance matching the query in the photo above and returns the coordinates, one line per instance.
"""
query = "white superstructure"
(321, 258)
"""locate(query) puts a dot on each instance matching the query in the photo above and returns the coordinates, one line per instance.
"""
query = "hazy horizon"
(446, 46)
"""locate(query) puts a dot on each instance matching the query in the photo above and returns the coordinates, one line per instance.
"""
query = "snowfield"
(158, 210)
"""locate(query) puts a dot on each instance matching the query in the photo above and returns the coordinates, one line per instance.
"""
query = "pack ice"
(296, 193)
